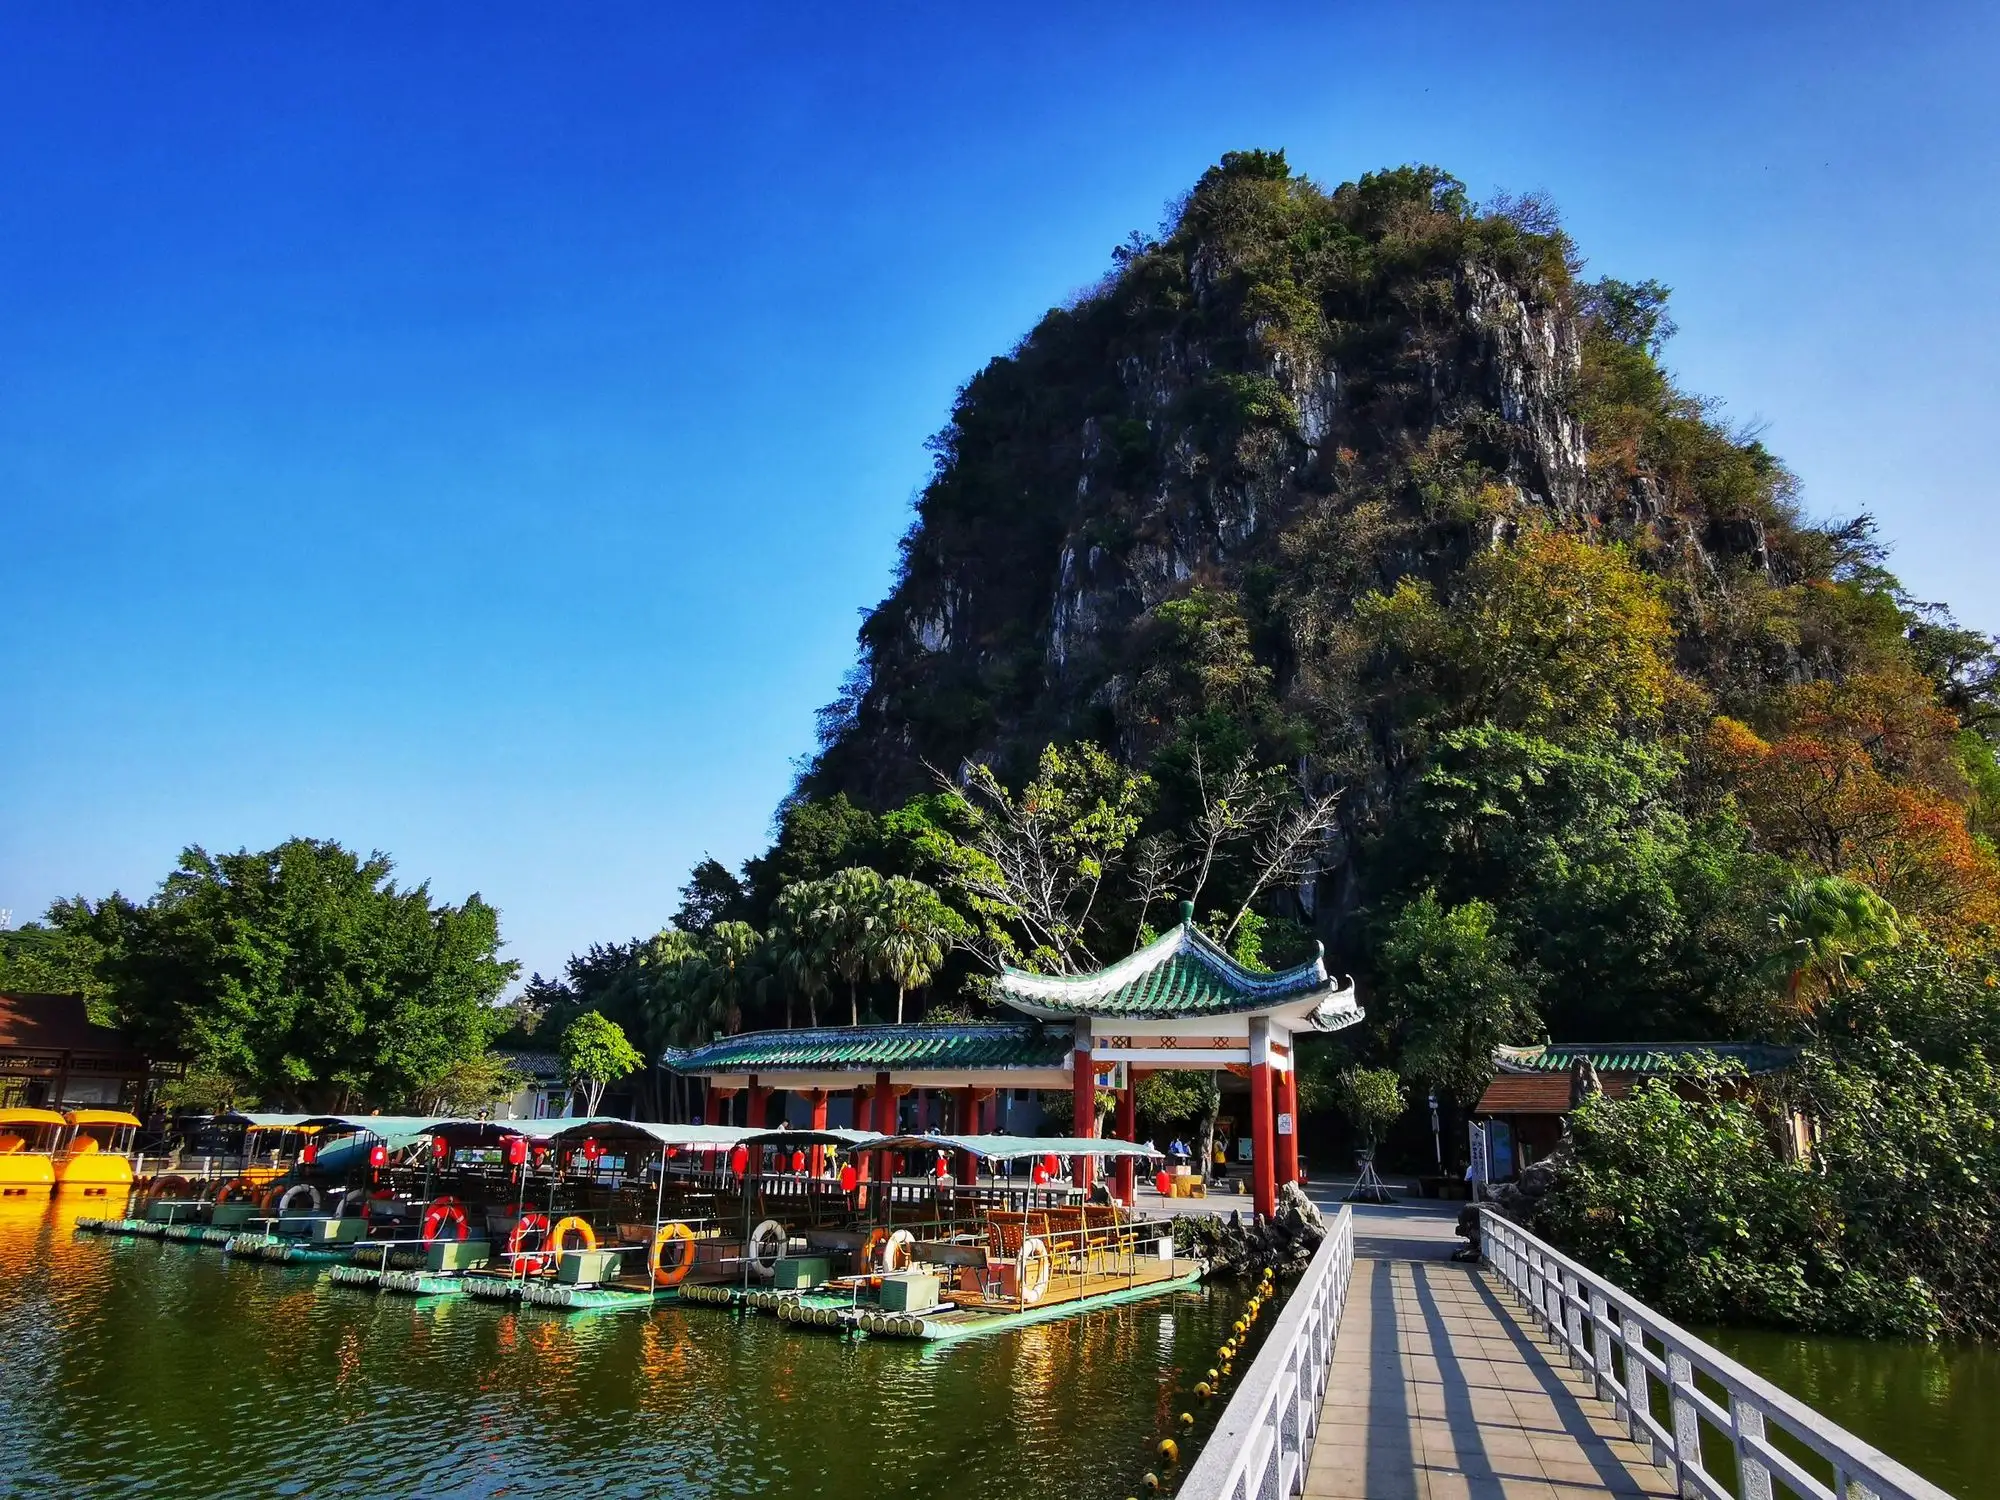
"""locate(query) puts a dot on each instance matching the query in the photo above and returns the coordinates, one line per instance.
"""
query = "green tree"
(596, 1054)
(847, 914)
(730, 960)
(711, 895)
(798, 958)
(1373, 1099)
(1826, 930)
(1450, 991)
(914, 930)
(305, 972)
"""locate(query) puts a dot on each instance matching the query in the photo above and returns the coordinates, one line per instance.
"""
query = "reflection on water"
(1936, 1409)
(137, 1367)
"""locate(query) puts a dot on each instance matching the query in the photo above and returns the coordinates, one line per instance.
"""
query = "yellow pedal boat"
(95, 1160)
(28, 1140)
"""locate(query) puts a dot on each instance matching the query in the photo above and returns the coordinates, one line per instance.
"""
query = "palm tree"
(914, 930)
(729, 958)
(797, 956)
(1827, 929)
(846, 915)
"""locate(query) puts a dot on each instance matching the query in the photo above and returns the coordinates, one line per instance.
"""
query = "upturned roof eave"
(1058, 997)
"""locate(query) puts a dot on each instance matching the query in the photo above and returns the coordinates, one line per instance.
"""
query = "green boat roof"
(1179, 975)
(870, 1049)
(1641, 1057)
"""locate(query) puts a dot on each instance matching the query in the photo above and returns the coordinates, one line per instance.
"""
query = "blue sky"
(472, 431)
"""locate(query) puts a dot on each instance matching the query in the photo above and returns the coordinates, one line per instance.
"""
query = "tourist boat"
(28, 1141)
(945, 1259)
(95, 1160)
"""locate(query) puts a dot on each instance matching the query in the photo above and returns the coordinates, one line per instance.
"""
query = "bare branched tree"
(1288, 850)
(1157, 868)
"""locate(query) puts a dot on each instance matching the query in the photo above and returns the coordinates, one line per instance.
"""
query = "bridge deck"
(1442, 1391)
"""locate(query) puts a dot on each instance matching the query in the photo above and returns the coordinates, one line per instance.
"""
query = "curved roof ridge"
(1182, 938)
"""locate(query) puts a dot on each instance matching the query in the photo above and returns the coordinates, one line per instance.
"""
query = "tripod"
(1368, 1187)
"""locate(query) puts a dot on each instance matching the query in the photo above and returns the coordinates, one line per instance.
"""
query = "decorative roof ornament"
(1182, 975)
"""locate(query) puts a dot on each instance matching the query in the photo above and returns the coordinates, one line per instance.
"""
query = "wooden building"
(1535, 1088)
(53, 1057)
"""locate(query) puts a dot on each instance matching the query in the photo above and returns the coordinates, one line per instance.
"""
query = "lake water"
(133, 1367)
(1936, 1409)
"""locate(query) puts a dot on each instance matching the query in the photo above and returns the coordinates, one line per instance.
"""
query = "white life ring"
(292, 1192)
(1034, 1284)
(768, 1241)
(898, 1249)
(353, 1201)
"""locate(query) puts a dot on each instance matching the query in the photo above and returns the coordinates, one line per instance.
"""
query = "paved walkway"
(1442, 1390)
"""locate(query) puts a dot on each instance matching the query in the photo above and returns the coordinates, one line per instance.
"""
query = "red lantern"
(517, 1150)
(798, 1161)
(672, 1152)
(308, 1154)
(591, 1150)
(739, 1160)
(378, 1156)
(1041, 1174)
(1050, 1166)
(438, 1148)
(941, 1170)
(1164, 1183)
(847, 1178)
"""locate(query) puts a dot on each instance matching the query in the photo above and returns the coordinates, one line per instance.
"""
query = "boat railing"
(1264, 1437)
(1635, 1356)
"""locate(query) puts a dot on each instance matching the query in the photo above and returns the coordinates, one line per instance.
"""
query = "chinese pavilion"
(1180, 1002)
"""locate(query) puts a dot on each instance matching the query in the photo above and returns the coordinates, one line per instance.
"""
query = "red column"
(1263, 1147)
(1288, 1116)
(759, 1117)
(1084, 1103)
(818, 1097)
(1127, 1174)
(711, 1106)
(968, 1124)
(864, 1161)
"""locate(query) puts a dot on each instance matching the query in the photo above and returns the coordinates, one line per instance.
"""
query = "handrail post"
(1638, 1397)
(1748, 1422)
(1687, 1420)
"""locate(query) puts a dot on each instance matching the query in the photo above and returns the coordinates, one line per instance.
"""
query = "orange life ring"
(678, 1235)
(877, 1238)
(158, 1186)
(559, 1237)
(442, 1212)
(530, 1261)
(238, 1190)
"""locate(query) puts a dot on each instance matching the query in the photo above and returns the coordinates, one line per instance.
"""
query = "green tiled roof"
(879, 1048)
(1641, 1057)
(1179, 975)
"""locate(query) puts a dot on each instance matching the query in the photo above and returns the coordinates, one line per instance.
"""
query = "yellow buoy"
(1213, 1377)
(1187, 1419)
(1152, 1482)
(1225, 1369)
(1204, 1390)
(1170, 1451)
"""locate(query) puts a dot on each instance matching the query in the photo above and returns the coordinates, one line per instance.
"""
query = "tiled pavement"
(1442, 1388)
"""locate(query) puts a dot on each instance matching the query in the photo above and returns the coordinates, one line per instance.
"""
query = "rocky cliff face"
(1288, 398)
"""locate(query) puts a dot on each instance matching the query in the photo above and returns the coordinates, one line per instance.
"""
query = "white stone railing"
(1631, 1351)
(1263, 1441)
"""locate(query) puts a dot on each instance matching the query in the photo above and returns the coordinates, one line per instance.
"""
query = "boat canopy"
(665, 1134)
(103, 1117)
(462, 1130)
(31, 1117)
(263, 1121)
(1012, 1147)
(852, 1140)
(385, 1126)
